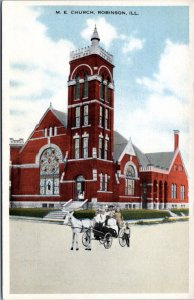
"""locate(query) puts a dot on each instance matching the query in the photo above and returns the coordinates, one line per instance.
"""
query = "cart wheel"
(107, 240)
(85, 238)
(102, 240)
(122, 240)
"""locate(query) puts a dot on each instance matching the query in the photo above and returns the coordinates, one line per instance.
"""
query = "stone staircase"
(68, 206)
(74, 205)
(55, 215)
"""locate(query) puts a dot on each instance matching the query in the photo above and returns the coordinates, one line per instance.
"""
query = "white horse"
(78, 226)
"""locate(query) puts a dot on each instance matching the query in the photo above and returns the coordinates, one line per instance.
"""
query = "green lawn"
(30, 212)
(128, 214)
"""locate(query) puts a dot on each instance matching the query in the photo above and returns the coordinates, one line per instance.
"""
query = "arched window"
(129, 180)
(173, 191)
(49, 172)
(85, 87)
(102, 88)
(182, 192)
(77, 88)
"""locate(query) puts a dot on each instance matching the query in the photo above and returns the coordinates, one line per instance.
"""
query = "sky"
(151, 74)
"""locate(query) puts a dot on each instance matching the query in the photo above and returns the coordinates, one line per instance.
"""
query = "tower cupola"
(95, 37)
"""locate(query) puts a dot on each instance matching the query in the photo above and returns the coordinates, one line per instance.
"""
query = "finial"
(95, 35)
(51, 105)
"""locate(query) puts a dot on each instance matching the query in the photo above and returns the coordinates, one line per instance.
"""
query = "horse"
(78, 226)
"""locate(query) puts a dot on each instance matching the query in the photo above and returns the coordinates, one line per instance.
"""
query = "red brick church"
(78, 155)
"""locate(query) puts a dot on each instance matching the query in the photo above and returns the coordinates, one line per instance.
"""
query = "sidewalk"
(60, 222)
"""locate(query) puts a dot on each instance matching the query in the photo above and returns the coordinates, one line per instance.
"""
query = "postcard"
(98, 150)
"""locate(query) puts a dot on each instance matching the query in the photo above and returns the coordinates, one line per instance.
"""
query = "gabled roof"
(119, 145)
(160, 160)
(61, 116)
(141, 157)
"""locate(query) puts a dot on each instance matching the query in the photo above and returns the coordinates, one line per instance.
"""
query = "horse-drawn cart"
(94, 231)
(105, 236)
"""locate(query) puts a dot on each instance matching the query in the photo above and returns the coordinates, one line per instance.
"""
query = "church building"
(77, 155)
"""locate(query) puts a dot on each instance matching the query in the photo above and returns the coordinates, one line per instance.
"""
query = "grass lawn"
(128, 214)
(30, 212)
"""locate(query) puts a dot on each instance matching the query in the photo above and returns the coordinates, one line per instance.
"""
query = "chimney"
(176, 139)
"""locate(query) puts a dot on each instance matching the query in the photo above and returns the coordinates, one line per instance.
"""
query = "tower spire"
(95, 36)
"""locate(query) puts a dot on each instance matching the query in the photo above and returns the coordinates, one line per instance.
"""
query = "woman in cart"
(110, 225)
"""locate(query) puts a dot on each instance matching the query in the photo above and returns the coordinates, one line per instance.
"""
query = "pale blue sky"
(151, 67)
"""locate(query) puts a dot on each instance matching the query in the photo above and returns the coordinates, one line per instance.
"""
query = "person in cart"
(110, 225)
(99, 221)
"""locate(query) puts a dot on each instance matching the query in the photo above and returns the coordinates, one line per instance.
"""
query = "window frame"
(77, 148)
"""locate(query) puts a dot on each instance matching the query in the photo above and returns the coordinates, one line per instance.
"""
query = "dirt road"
(41, 261)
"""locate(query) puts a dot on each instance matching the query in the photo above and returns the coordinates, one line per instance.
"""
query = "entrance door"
(80, 188)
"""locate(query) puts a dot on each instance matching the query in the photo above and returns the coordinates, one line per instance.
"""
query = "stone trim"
(88, 102)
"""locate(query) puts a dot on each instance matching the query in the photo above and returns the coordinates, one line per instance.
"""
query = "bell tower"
(91, 102)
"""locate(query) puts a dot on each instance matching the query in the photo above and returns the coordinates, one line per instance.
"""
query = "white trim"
(84, 126)
(77, 159)
(94, 77)
(27, 166)
(76, 136)
(129, 196)
(71, 82)
(131, 163)
(127, 150)
(46, 137)
(67, 181)
(16, 196)
(105, 192)
(153, 169)
(86, 134)
(103, 66)
(73, 181)
(81, 66)
(107, 137)
(111, 86)
(88, 102)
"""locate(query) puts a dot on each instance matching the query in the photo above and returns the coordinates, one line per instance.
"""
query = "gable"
(52, 118)
(177, 165)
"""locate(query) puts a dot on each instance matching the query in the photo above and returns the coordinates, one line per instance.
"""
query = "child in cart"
(127, 233)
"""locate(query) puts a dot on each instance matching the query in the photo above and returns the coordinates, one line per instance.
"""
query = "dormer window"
(85, 86)
(77, 88)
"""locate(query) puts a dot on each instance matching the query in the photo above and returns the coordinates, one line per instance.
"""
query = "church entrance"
(80, 188)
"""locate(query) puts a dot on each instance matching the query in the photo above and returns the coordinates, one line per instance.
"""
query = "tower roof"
(95, 35)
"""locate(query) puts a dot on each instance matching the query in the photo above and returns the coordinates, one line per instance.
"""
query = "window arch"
(85, 85)
(129, 180)
(77, 88)
(49, 172)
